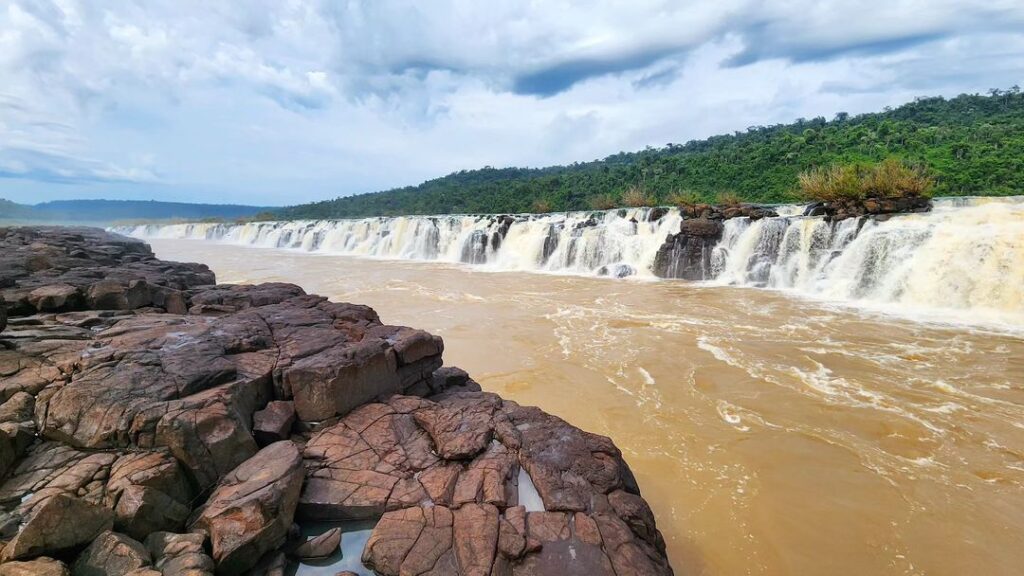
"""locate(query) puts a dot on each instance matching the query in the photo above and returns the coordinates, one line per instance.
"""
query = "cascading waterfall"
(967, 254)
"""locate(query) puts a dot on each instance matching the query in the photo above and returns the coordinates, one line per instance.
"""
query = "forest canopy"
(969, 145)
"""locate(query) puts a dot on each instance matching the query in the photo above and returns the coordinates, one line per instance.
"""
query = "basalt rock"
(135, 395)
(251, 510)
(274, 422)
(179, 554)
(874, 207)
(59, 524)
(37, 567)
(111, 554)
(687, 255)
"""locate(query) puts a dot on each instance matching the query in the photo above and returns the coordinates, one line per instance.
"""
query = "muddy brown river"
(772, 435)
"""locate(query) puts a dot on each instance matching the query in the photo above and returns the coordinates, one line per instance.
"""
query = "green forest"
(972, 144)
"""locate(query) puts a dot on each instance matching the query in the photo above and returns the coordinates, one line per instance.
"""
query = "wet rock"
(687, 255)
(37, 567)
(58, 524)
(274, 422)
(876, 207)
(251, 509)
(616, 271)
(321, 546)
(179, 554)
(111, 554)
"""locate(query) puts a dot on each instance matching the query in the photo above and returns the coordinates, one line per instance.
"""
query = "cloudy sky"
(275, 102)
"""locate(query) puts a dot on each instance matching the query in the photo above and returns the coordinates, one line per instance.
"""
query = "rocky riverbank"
(153, 422)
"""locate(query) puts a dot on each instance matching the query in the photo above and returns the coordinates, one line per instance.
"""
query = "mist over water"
(964, 261)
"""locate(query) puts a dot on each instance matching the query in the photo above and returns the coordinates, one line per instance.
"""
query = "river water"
(772, 433)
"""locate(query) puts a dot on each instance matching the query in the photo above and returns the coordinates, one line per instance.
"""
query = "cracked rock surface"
(154, 422)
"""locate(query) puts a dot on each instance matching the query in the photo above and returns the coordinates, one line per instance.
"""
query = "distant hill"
(971, 144)
(114, 210)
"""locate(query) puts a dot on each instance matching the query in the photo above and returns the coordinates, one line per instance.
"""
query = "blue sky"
(275, 102)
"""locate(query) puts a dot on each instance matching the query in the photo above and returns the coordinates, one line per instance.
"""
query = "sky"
(278, 102)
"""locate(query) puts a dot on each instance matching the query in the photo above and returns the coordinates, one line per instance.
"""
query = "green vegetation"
(891, 178)
(604, 201)
(971, 144)
(637, 197)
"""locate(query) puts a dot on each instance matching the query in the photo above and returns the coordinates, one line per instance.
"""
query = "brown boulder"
(336, 381)
(251, 509)
(37, 567)
(55, 297)
(20, 407)
(60, 523)
(179, 554)
(142, 510)
(111, 554)
(273, 423)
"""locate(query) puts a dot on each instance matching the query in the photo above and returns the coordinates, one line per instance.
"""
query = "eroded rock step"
(152, 422)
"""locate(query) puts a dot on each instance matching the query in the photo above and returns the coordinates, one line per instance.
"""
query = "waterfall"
(605, 242)
(967, 254)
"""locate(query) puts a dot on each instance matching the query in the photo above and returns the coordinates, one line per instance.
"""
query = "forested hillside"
(971, 144)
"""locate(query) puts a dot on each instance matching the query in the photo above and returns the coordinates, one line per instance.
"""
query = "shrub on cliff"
(637, 197)
(890, 178)
(541, 207)
(893, 179)
(603, 202)
(683, 198)
(832, 183)
(728, 198)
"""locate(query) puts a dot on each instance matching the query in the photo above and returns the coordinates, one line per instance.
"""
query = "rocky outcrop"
(135, 396)
(687, 254)
(874, 207)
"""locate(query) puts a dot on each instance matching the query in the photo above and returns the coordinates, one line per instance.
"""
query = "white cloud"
(289, 100)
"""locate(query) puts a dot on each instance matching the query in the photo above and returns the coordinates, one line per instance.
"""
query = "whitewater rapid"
(967, 255)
